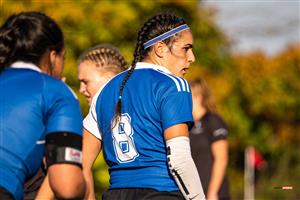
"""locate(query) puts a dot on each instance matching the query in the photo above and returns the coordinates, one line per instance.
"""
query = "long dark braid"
(154, 27)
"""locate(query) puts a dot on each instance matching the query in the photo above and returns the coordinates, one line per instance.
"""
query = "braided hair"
(155, 26)
(104, 56)
(27, 36)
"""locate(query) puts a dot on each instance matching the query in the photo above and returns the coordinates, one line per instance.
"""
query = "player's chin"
(183, 71)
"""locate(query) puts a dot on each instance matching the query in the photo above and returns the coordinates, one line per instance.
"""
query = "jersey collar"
(144, 65)
(24, 65)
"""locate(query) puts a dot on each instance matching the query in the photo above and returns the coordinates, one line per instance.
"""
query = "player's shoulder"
(162, 76)
(117, 79)
(171, 81)
(57, 87)
(215, 120)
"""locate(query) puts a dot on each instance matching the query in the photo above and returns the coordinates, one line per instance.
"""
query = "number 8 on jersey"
(123, 140)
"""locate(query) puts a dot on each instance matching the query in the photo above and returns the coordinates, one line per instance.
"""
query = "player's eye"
(186, 48)
(84, 81)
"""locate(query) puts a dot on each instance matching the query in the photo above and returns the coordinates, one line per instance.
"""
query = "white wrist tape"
(183, 168)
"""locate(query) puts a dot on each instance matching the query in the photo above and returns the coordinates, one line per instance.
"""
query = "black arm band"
(63, 147)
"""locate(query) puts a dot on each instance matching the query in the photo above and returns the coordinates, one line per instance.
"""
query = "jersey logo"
(73, 155)
(220, 132)
(197, 129)
(123, 140)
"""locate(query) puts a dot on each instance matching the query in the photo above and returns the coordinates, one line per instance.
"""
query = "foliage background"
(258, 95)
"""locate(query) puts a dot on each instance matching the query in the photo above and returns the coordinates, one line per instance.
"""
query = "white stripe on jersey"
(187, 85)
(175, 80)
(183, 83)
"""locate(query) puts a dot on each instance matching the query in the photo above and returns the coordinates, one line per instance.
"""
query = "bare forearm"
(91, 149)
(217, 176)
(220, 154)
(90, 192)
(45, 191)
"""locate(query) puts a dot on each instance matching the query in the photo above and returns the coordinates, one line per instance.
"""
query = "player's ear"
(52, 57)
(160, 49)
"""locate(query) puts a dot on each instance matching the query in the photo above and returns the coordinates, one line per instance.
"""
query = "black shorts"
(32, 185)
(140, 194)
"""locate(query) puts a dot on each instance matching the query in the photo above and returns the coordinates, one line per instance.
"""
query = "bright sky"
(259, 24)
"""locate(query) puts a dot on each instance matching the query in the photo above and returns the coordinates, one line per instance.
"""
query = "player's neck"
(199, 113)
(153, 60)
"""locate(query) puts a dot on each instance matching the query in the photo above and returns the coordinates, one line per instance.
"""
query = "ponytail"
(27, 36)
(7, 43)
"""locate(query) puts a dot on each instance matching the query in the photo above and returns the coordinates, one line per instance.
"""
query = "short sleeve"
(90, 121)
(218, 128)
(62, 109)
(176, 108)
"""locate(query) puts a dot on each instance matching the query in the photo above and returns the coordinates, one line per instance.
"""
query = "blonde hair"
(106, 57)
(199, 87)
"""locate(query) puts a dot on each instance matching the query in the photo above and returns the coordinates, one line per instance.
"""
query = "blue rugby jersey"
(32, 104)
(135, 150)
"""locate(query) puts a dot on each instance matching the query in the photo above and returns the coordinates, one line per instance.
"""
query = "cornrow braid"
(104, 55)
(152, 28)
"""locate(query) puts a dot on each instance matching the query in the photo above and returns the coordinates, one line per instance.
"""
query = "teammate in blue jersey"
(142, 117)
(96, 66)
(38, 112)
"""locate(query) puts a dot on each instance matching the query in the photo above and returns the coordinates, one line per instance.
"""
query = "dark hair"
(104, 55)
(153, 27)
(199, 87)
(27, 36)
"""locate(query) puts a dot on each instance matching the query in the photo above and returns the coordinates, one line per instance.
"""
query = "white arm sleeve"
(90, 121)
(183, 168)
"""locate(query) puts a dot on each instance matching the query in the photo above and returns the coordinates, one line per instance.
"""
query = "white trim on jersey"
(144, 65)
(71, 90)
(187, 85)
(90, 122)
(24, 65)
(174, 79)
(181, 84)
